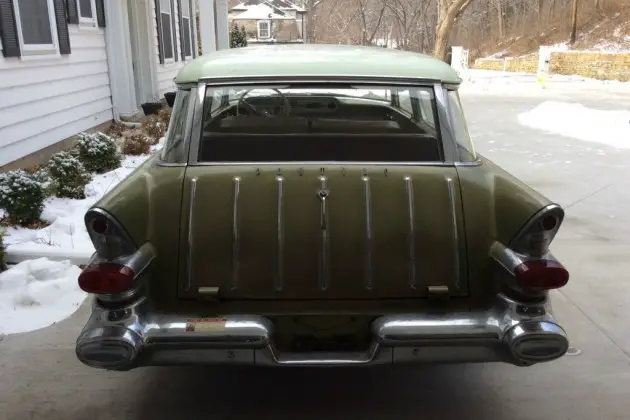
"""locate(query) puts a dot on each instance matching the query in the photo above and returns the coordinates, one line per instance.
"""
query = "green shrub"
(98, 152)
(68, 176)
(137, 143)
(21, 196)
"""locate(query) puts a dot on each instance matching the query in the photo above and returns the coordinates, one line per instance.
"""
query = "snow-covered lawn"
(37, 293)
(609, 127)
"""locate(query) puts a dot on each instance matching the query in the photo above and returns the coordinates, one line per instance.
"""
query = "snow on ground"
(38, 293)
(575, 120)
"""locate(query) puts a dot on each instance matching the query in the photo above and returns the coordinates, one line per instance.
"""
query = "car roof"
(316, 60)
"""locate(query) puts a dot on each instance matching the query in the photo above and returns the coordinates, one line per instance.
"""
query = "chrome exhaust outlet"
(109, 347)
(535, 342)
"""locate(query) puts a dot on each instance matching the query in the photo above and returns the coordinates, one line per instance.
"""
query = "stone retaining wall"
(597, 65)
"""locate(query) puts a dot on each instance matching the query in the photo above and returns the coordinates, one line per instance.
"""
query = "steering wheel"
(286, 108)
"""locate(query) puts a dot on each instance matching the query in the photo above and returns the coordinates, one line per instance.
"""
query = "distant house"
(270, 21)
(68, 66)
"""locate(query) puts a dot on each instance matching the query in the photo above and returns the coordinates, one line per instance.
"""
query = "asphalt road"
(41, 379)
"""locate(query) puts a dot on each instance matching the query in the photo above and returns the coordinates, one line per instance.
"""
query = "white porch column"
(118, 44)
(223, 31)
(207, 26)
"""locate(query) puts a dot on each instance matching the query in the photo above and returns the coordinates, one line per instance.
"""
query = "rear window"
(320, 123)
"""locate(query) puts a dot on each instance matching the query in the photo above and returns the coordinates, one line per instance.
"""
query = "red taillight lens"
(106, 278)
(541, 274)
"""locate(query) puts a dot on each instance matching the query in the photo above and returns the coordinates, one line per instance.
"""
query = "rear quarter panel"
(148, 204)
(496, 205)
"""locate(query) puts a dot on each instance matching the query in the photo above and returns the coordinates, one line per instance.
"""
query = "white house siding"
(44, 101)
(166, 72)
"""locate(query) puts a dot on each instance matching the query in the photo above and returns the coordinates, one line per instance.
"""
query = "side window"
(174, 150)
(465, 147)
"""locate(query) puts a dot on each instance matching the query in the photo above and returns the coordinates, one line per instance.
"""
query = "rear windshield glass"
(320, 123)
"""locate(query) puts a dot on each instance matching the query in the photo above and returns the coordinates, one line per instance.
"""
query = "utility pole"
(574, 21)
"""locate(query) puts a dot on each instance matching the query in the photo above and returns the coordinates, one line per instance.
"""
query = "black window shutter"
(193, 32)
(73, 11)
(181, 29)
(8, 30)
(159, 31)
(62, 27)
(173, 20)
(100, 13)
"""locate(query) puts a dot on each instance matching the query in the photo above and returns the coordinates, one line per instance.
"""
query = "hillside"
(596, 32)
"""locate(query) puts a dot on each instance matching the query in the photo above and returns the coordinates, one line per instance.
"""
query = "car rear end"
(320, 222)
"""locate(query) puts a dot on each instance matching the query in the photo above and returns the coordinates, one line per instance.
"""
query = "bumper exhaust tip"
(111, 348)
(535, 342)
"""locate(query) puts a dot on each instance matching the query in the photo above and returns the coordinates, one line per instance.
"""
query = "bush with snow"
(137, 143)
(98, 152)
(41, 175)
(69, 176)
(21, 196)
(154, 127)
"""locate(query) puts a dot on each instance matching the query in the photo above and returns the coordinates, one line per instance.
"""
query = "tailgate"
(307, 232)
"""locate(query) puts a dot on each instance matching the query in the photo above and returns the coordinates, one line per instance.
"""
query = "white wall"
(166, 72)
(46, 100)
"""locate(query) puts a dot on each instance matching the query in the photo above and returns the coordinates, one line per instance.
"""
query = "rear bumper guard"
(510, 332)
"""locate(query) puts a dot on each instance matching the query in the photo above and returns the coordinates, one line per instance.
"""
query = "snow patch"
(38, 293)
(610, 127)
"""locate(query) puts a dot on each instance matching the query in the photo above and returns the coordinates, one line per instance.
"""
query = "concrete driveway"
(41, 379)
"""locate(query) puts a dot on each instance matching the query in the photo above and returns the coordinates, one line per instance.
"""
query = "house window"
(186, 29)
(166, 20)
(37, 27)
(263, 29)
(87, 12)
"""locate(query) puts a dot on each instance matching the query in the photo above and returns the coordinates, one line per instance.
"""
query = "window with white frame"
(36, 25)
(87, 12)
(187, 28)
(263, 29)
(166, 20)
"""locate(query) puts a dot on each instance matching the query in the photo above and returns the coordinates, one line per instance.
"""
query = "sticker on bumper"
(205, 324)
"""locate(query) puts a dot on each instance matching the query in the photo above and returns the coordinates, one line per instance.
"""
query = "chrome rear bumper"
(511, 332)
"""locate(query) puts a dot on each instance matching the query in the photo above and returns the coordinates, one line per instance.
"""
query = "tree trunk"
(500, 16)
(447, 16)
(574, 12)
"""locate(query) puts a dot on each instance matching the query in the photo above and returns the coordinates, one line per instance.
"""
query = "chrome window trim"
(196, 126)
(449, 108)
(443, 120)
(258, 80)
(449, 144)
(187, 130)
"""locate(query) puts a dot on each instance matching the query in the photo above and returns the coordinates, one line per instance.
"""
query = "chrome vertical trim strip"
(235, 232)
(411, 238)
(191, 211)
(324, 269)
(451, 197)
(280, 234)
(367, 192)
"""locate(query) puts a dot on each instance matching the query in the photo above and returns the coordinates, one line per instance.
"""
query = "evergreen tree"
(238, 37)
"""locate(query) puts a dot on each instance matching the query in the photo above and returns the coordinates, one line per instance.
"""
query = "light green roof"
(316, 60)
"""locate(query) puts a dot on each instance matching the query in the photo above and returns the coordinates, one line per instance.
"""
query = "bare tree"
(371, 14)
(406, 15)
(448, 13)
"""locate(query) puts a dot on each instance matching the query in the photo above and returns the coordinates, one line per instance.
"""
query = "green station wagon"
(320, 205)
